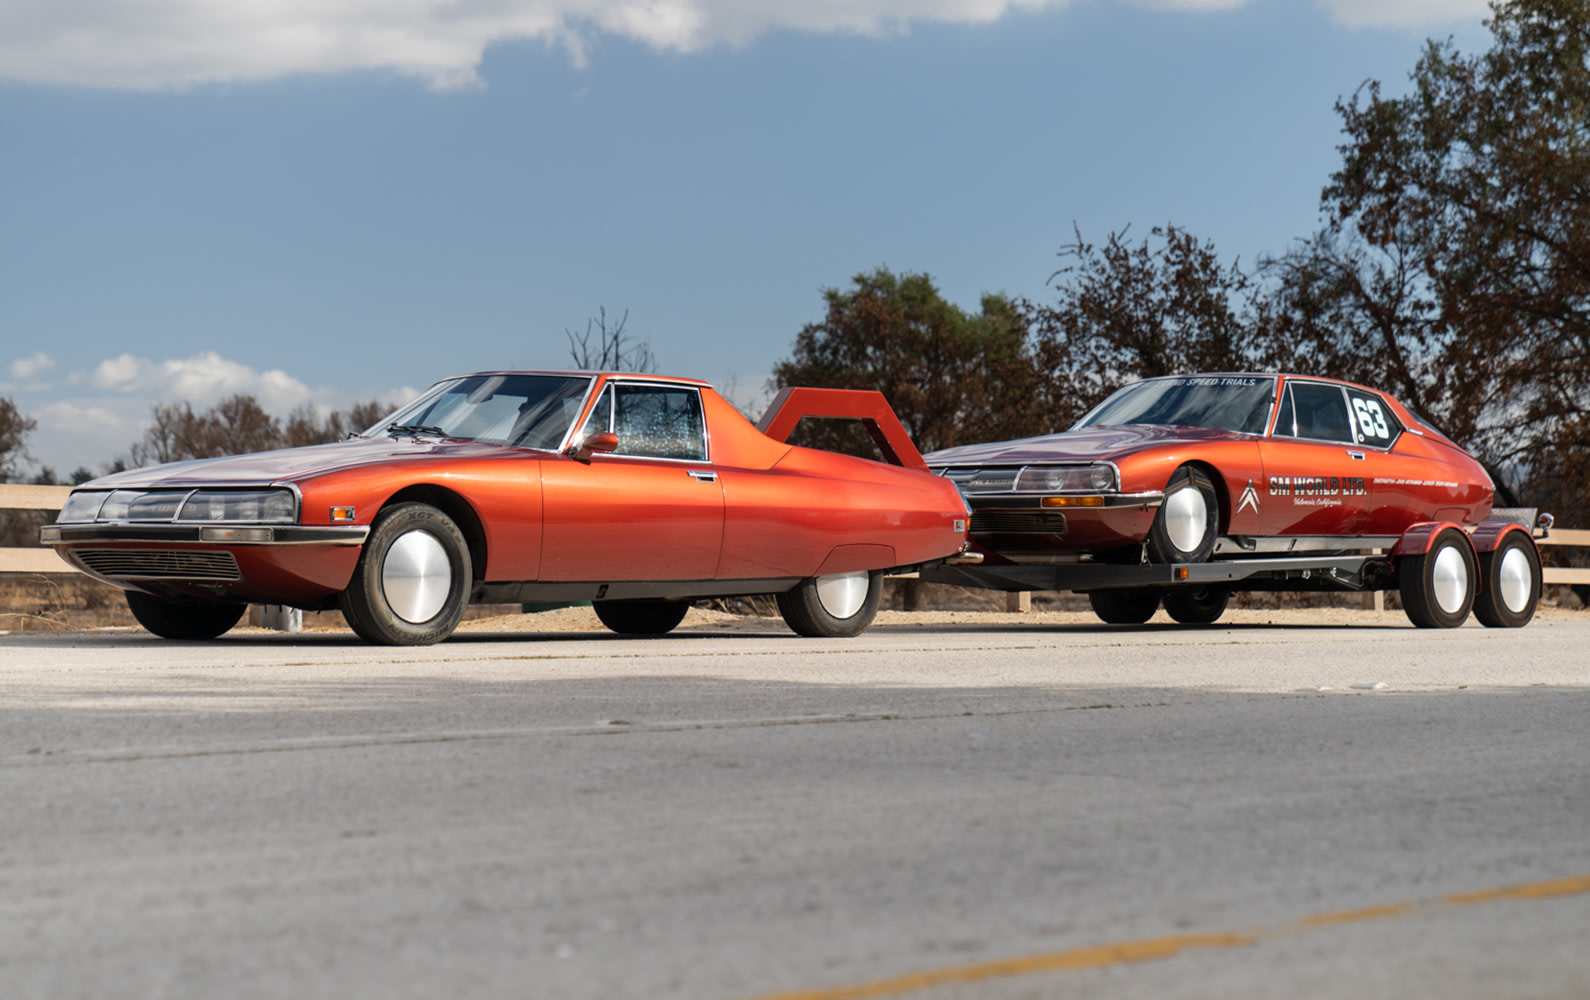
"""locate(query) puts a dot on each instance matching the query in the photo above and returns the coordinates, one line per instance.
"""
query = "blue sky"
(318, 201)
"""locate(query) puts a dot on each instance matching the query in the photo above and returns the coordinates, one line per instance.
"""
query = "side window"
(1376, 426)
(1285, 423)
(601, 418)
(658, 421)
(1321, 412)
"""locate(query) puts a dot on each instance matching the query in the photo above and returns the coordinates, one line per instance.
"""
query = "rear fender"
(871, 408)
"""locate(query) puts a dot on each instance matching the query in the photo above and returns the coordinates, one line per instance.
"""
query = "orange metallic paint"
(768, 510)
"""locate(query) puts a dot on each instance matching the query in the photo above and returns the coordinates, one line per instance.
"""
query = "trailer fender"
(1418, 539)
(1488, 537)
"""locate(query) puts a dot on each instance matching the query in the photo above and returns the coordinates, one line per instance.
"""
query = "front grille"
(160, 564)
(994, 522)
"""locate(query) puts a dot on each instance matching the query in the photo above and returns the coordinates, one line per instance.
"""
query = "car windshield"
(526, 411)
(1239, 403)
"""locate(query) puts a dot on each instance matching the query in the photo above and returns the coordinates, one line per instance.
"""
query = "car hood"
(1092, 444)
(290, 464)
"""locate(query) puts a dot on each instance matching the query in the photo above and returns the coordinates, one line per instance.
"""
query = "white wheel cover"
(843, 594)
(416, 576)
(1514, 581)
(1186, 518)
(1450, 579)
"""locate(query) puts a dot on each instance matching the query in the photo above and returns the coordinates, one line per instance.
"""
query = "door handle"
(1356, 456)
(702, 475)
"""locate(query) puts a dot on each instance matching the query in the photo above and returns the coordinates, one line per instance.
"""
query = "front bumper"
(303, 565)
(1024, 526)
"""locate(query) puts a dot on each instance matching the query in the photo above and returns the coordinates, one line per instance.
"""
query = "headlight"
(273, 506)
(252, 506)
(1066, 479)
(81, 507)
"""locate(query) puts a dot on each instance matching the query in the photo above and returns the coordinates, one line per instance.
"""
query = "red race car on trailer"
(1183, 489)
(635, 492)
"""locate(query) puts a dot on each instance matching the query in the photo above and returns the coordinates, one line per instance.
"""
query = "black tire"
(1510, 583)
(1438, 587)
(641, 617)
(1196, 605)
(412, 582)
(1132, 606)
(1188, 520)
(834, 606)
(172, 619)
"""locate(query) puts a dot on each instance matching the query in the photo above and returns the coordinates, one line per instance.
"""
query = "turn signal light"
(1073, 501)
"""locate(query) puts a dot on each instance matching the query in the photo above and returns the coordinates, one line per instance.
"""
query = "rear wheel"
(650, 617)
(1188, 521)
(1124, 607)
(172, 619)
(412, 582)
(1510, 583)
(842, 604)
(1196, 605)
(1438, 587)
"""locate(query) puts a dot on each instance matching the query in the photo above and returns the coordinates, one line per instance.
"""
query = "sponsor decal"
(1214, 381)
(1318, 491)
(1250, 498)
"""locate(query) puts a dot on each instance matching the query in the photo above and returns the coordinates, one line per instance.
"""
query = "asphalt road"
(929, 811)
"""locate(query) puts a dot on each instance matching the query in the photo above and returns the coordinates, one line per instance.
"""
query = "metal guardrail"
(13, 497)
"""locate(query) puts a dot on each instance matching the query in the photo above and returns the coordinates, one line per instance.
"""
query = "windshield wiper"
(416, 430)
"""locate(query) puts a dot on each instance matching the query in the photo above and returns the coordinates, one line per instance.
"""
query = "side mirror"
(606, 441)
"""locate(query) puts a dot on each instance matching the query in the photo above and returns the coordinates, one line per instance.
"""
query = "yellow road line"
(1155, 949)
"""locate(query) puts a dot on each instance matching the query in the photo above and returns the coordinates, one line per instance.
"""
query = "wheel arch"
(455, 506)
(1222, 491)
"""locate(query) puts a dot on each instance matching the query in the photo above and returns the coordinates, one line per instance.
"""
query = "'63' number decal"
(1371, 419)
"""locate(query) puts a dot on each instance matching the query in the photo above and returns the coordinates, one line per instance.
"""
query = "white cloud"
(1404, 13)
(154, 44)
(24, 369)
(204, 378)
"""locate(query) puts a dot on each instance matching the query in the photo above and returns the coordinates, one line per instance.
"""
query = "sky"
(324, 201)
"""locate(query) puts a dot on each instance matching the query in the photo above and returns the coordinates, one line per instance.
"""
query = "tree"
(14, 430)
(1456, 254)
(238, 425)
(1128, 311)
(952, 378)
(615, 349)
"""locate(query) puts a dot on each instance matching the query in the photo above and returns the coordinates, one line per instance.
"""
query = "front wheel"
(1438, 587)
(412, 582)
(1124, 607)
(1196, 605)
(1188, 520)
(842, 604)
(647, 617)
(183, 619)
(1510, 583)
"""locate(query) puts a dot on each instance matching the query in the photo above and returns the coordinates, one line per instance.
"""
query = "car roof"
(584, 373)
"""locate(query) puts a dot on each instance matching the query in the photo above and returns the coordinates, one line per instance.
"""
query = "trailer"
(1442, 571)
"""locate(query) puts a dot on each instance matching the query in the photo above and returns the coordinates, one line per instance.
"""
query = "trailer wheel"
(1509, 583)
(1438, 587)
(171, 619)
(1132, 606)
(1196, 605)
(644, 617)
(1184, 530)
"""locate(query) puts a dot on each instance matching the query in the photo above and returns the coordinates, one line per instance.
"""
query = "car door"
(1316, 475)
(653, 509)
